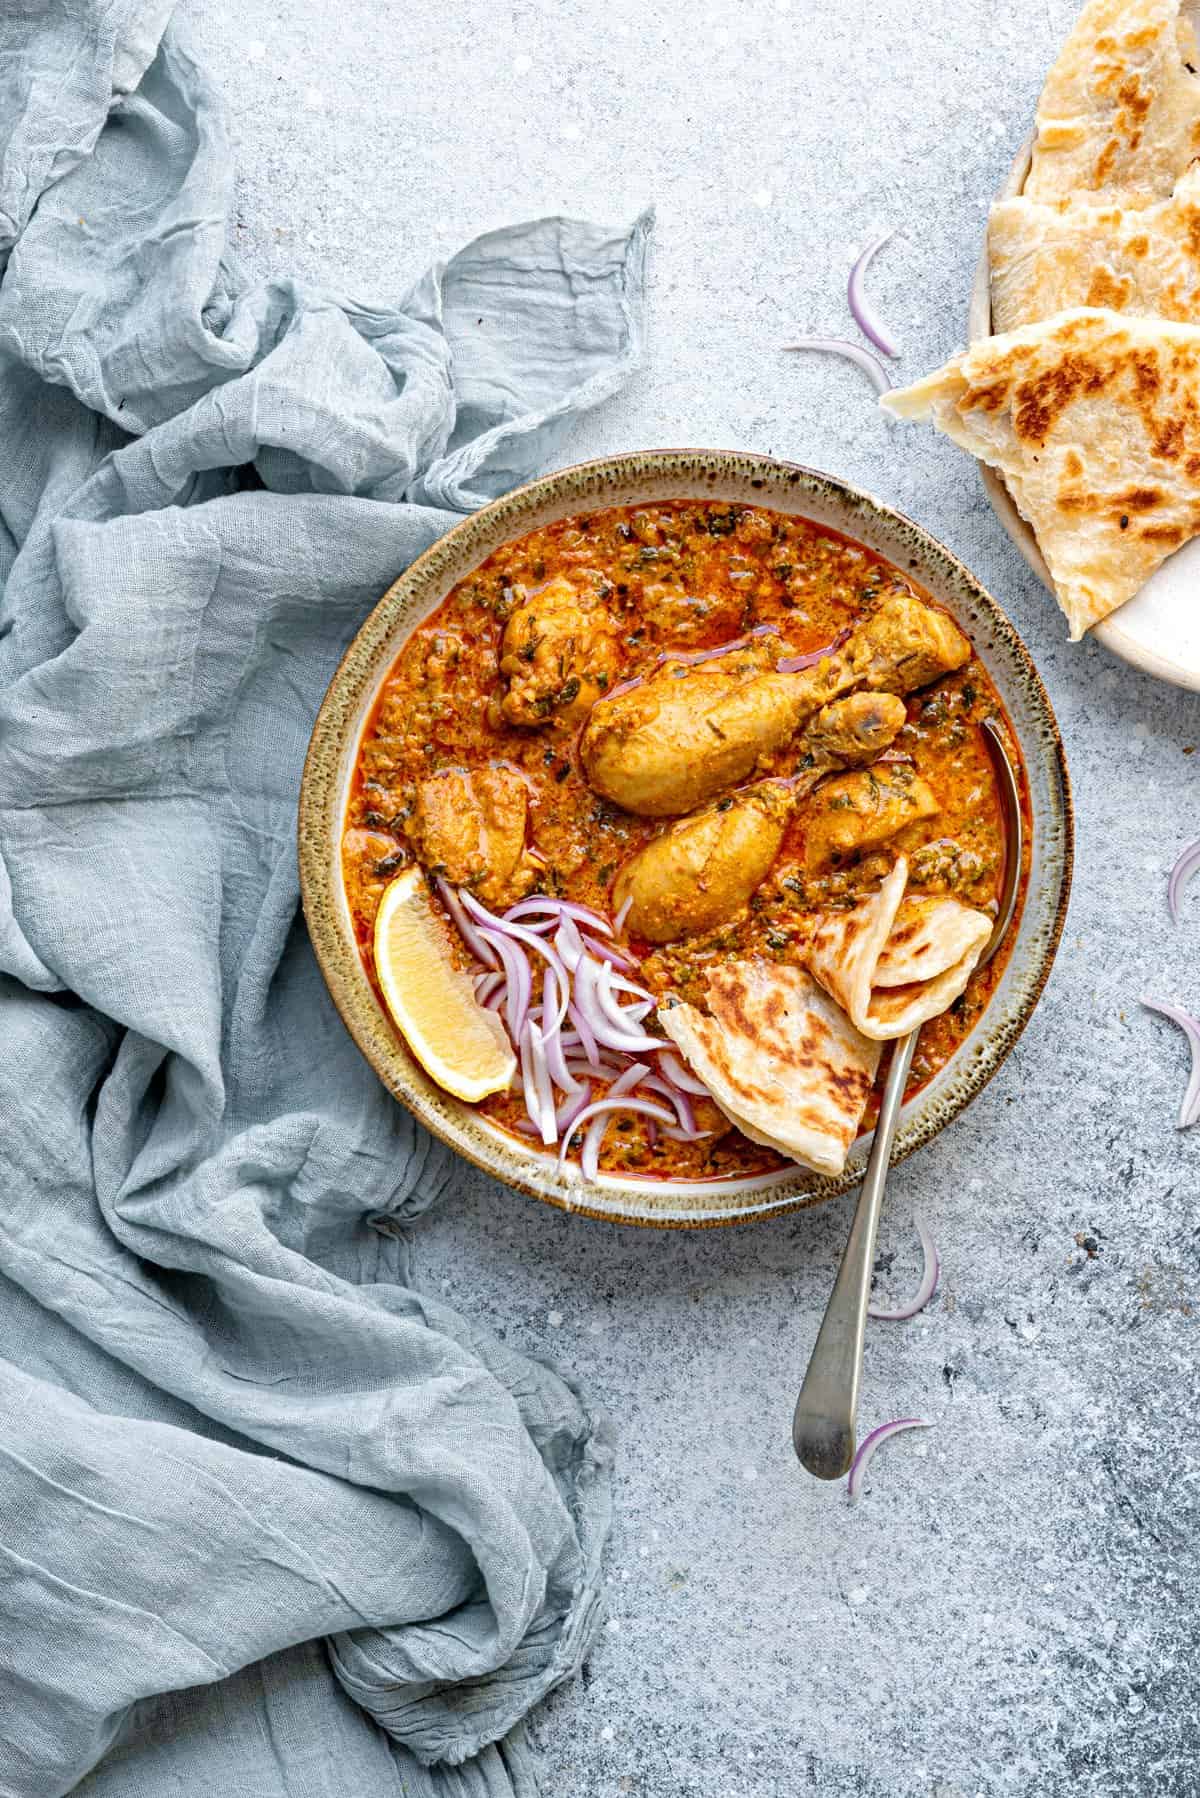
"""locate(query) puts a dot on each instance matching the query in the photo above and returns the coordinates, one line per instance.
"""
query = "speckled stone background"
(1012, 1608)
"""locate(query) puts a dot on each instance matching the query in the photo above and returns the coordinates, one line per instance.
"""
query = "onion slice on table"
(866, 1451)
(927, 1288)
(1185, 866)
(1189, 1111)
(865, 316)
(871, 366)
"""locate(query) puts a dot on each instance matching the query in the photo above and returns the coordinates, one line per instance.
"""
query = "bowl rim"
(321, 801)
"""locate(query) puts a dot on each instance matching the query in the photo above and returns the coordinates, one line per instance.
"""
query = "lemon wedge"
(463, 1046)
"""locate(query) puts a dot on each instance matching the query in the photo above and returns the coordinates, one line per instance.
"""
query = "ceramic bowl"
(637, 479)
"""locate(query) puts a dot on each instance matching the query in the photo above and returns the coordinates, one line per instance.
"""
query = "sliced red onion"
(586, 1038)
(463, 924)
(500, 927)
(519, 977)
(654, 1083)
(1189, 1111)
(622, 914)
(608, 1031)
(569, 944)
(793, 664)
(880, 1434)
(542, 1088)
(682, 1076)
(871, 366)
(556, 996)
(925, 1291)
(1181, 873)
(608, 952)
(555, 910)
(570, 1109)
(488, 987)
(865, 316)
(599, 1112)
(692, 657)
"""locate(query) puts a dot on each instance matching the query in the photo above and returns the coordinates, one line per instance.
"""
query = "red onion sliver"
(603, 1109)
(541, 1083)
(517, 932)
(880, 1434)
(623, 913)
(569, 944)
(871, 366)
(519, 976)
(557, 909)
(465, 928)
(555, 999)
(793, 664)
(1181, 873)
(654, 1083)
(1190, 1109)
(693, 657)
(682, 1076)
(930, 1275)
(488, 987)
(586, 1038)
(608, 952)
(865, 316)
(570, 1109)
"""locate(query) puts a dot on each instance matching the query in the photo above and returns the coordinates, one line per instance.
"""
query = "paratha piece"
(780, 1059)
(1119, 115)
(1093, 419)
(894, 962)
(1051, 256)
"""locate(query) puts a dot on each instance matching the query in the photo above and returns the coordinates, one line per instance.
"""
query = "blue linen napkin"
(271, 1521)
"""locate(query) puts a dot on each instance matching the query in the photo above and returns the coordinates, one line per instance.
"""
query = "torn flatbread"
(1051, 256)
(1119, 115)
(894, 962)
(781, 1060)
(1093, 419)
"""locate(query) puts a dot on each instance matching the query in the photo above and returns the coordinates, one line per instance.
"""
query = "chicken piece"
(905, 645)
(850, 731)
(470, 827)
(558, 655)
(687, 732)
(698, 872)
(860, 810)
(902, 646)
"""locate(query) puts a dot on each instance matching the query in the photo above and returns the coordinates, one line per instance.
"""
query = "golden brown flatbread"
(1119, 115)
(1093, 419)
(894, 962)
(1050, 256)
(780, 1059)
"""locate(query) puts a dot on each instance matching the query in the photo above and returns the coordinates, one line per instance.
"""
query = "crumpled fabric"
(271, 1520)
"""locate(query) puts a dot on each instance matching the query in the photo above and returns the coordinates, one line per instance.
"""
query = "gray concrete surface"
(1012, 1607)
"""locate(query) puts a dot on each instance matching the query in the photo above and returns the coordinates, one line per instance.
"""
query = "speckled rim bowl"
(624, 480)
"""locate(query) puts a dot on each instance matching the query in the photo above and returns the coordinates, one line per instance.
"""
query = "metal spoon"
(823, 1427)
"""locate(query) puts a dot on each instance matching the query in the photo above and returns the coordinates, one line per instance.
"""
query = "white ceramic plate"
(1158, 630)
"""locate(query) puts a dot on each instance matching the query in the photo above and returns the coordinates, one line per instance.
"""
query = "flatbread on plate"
(1093, 419)
(894, 962)
(1119, 115)
(780, 1059)
(1050, 256)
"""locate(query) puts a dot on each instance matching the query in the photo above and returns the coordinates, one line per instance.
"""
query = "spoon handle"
(823, 1427)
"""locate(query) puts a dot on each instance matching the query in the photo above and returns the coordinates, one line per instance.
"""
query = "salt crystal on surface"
(858, 1595)
(554, 1319)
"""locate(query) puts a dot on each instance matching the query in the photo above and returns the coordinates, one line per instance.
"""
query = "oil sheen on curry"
(751, 748)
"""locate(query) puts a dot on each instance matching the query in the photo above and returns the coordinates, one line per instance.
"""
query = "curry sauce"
(680, 578)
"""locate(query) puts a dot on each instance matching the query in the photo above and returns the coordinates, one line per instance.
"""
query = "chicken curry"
(715, 724)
